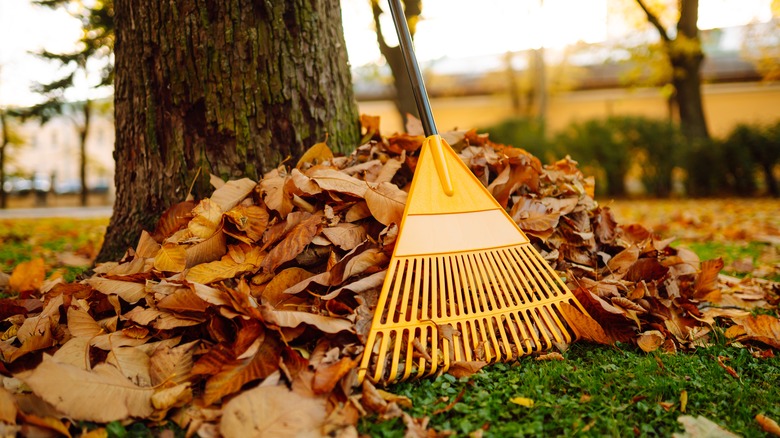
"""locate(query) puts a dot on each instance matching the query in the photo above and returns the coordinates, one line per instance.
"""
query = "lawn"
(594, 390)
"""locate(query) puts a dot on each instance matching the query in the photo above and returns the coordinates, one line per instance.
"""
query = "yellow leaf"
(683, 400)
(317, 154)
(522, 401)
(27, 276)
(250, 220)
(172, 257)
(762, 328)
(386, 203)
(147, 247)
(206, 251)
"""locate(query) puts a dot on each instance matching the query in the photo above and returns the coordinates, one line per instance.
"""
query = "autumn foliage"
(246, 312)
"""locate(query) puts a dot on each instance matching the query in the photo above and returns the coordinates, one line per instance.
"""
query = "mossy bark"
(225, 87)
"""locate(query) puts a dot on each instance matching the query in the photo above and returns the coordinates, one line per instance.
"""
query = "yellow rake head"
(464, 282)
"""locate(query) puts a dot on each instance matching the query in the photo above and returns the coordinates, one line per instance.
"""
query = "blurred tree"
(682, 53)
(88, 67)
(224, 88)
(9, 136)
(761, 45)
(404, 99)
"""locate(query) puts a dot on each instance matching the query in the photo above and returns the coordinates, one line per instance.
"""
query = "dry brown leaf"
(273, 411)
(249, 221)
(173, 397)
(81, 324)
(102, 394)
(768, 425)
(207, 250)
(327, 376)
(27, 277)
(291, 319)
(533, 215)
(699, 427)
(147, 246)
(465, 368)
(232, 192)
(274, 295)
(172, 364)
(335, 181)
(7, 407)
(650, 340)
(208, 218)
(223, 269)
(133, 363)
(183, 301)
(585, 326)
(127, 290)
(235, 373)
(762, 328)
(172, 220)
(171, 257)
(708, 277)
(620, 263)
(345, 235)
(292, 245)
(386, 203)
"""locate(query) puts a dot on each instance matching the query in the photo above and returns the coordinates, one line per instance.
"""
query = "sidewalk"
(69, 212)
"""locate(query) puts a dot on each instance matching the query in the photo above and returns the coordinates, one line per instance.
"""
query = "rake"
(464, 282)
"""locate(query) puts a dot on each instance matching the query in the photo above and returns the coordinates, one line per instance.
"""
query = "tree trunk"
(3, 143)
(686, 56)
(228, 88)
(83, 131)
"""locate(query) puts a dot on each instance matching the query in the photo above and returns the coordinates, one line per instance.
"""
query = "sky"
(449, 28)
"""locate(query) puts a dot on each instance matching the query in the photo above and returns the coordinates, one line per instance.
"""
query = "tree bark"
(230, 88)
(685, 56)
(3, 144)
(83, 132)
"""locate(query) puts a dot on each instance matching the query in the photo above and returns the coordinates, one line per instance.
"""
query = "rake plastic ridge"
(464, 282)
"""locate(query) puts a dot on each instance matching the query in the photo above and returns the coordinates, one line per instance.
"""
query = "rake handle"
(412, 68)
(421, 96)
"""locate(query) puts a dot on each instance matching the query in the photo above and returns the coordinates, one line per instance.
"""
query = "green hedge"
(653, 152)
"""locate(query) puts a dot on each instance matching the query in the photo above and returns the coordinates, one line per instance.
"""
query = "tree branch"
(653, 19)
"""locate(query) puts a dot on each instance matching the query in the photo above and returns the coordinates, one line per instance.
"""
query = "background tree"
(683, 51)
(9, 137)
(404, 99)
(224, 88)
(90, 66)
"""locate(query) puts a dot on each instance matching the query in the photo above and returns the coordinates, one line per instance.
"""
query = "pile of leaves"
(246, 312)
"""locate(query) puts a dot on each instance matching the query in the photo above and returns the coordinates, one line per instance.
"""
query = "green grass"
(597, 391)
(25, 239)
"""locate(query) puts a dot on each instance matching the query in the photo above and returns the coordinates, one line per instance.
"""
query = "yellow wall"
(724, 104)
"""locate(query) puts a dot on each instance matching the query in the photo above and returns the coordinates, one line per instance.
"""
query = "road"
(69, 212)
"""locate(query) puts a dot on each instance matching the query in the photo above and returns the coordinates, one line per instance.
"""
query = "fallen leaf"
(585, 326)
(232, 192)
(327, 324)
(170, 258)
(701, 427)
(317, 154)
(386, 203)
(650, 340)
(768, 425)
(127, 290)
(27, 277)
(102, 394)
(292, 245)
(522, 401)
(762, 328)
(465, 368)
(7, 407)
(273, 411)
(335, 181)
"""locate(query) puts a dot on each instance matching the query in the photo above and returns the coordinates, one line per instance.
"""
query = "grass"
(597, 391)
(26, 239)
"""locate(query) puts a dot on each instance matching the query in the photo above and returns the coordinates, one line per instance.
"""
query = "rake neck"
(415, 76)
